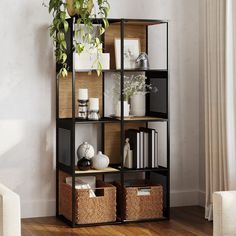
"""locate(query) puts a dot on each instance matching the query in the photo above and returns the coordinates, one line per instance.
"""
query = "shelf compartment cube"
(141, 207)
(130, 31)
(88, 210)
(112, 139)
(83, 80)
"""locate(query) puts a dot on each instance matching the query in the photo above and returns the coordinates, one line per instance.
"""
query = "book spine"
(145, 149)
(156, 149)
(141, 135)
(153, 148)
(138, 151)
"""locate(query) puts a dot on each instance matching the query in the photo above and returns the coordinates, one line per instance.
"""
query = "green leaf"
(51, 6)
(61, 36)
(99, 65)
(52, 30)
(79, 48)
(66, 26)
(76, 5)
(97, 41)
(105, 22)
(63, 44)
(99, 50)
(62, 15)
(106, 11)
(89, 37)
(63, 57)
(78, 21)
(63, 72)
(99, 72)
(102, 30)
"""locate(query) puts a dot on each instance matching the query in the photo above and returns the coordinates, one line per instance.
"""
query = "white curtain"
(219, 97)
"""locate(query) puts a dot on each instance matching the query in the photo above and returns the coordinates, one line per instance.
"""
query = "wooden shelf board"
(139, 22)
(106, 170)
(141, 118)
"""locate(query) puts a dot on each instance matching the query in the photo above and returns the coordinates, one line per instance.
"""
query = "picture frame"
(131, 52)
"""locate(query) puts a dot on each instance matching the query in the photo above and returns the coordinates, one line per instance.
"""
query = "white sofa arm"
(224, 213)
(10, 220)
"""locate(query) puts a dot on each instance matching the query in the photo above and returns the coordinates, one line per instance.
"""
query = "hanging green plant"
(87, 36)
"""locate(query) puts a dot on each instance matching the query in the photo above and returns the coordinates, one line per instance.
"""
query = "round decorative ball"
(100, 161)
(85, 150)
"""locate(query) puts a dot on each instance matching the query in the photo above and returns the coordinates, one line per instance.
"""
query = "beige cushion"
(10, 221)
(224, 213)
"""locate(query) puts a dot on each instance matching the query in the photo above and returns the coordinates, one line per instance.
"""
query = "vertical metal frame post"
(73, 121)
(168, 125)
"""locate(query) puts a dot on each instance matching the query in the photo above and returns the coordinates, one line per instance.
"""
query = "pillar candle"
(93, 104)
(83, 94)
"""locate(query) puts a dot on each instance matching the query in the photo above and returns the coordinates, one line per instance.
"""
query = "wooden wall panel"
(112, 140)
(131, 31)
(83, 80)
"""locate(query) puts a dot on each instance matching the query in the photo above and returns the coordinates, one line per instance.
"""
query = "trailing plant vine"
(87, 37)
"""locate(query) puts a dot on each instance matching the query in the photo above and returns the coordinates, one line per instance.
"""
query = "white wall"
(201, 105)
(27, 98)
(27, 115)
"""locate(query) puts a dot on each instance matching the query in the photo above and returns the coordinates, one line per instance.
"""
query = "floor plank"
(185, 221)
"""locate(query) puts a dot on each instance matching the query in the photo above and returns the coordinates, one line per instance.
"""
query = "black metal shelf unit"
(67, 125)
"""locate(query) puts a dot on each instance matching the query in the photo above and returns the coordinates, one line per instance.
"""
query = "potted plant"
(134, 91)
(87, 37)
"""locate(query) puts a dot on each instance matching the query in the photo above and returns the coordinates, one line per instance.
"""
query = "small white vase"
(126, 107)
(138, 104)
(100, 161)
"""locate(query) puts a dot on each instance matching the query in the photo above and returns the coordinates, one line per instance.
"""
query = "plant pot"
(73, 12)
(138, 104)
(126, 108)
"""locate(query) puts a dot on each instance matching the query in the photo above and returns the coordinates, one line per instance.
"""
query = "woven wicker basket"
(89, 209)
(142, 207)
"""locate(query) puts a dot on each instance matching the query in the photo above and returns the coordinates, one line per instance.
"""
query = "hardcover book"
(149, 147)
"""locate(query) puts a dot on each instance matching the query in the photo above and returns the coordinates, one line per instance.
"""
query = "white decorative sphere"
(100, 161)
(85, 150)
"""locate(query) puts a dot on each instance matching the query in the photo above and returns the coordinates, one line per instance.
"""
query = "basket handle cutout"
(100, 192)
(144, 191)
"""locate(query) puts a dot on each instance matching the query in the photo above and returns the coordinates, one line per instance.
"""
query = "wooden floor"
(184, 221)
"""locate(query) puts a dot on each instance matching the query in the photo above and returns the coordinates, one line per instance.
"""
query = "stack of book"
(144, 144)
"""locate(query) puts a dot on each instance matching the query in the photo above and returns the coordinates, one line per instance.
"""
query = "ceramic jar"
(100, 161)
(84, 164)
(85, 150)
(126, 108)
(138, 104)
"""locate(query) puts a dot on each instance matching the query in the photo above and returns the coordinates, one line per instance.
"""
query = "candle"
(93, 104)
(83, 94)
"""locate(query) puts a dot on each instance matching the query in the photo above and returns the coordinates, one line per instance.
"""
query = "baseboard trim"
(40, 208)
(186, 198)
(202, 196)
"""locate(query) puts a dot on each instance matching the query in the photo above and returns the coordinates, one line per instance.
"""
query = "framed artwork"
(131, 52)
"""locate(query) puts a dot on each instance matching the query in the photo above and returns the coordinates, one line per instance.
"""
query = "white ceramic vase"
(138, 104)
(100, 161)
(126, 107)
